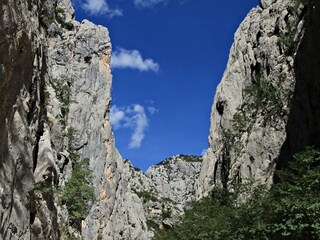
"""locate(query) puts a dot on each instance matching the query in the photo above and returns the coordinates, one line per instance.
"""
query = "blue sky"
(168, 58)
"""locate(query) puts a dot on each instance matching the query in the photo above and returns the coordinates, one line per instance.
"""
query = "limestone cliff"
(55, 90)
(22, 76)
(266, 106)
(166, 189)
(55, 85)
(55, 94)
(143, 202)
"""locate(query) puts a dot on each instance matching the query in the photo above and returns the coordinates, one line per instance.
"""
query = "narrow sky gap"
(175, 53)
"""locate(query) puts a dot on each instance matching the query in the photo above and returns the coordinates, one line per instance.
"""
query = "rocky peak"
(165, 189)
(174, 177)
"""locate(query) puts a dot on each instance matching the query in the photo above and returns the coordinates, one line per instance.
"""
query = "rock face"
(255, 122)
(167, 188)
(55, 84)
(143, 202)
(22, 70)
(55, 90)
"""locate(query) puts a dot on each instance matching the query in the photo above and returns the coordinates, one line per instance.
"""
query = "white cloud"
(99, 7)
(140, 122)
(123, 58)
(148, 3)
(152, 110)
(116, 117)
(133, 117)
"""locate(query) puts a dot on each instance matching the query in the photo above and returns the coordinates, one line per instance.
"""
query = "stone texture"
(252, 102)
(173, 182)
(165, 189)
(55, 85)
(22, 69)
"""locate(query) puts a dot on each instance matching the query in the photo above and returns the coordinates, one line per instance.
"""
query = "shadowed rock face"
(16, 53)
(19, 50)
(303, 128)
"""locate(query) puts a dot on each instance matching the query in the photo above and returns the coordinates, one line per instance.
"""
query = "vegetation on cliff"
(290, 210)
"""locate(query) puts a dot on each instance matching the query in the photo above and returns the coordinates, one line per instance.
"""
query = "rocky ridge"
(166, 188)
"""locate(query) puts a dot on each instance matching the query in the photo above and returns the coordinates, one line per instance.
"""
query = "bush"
(78, 194)
(146, 196)
(166, 213)
(291, 210)
(59, 10)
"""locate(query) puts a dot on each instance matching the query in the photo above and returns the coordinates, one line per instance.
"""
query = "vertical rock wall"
(55, 90)
(251, 105)
(22, 70)
(303, 127)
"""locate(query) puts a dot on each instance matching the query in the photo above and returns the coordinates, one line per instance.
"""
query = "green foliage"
(59, 10)
(78, 194)
(60, 16)
(137, 169)
(46, 17)
(190, 158)
(266, 98)
(187, 158)
(68, 25)
(70, 135)
(63, 92)
(296, 214)
(46, 97)
(166, 213)
(146, 196)
(288, 43)
(290, 211)
(239, 122)
(152, 225)
(70, 238)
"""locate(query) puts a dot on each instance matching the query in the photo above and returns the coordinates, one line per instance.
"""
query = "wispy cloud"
(140, 122)
(123, 58)
(117, 116)
(148, 3)
(100, 7)
(152, 110)
(133, 117)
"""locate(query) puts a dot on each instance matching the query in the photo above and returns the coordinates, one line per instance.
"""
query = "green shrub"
(146, 196)
(290, 211)
(62, 89)
(78, 194)
(59, 10)
(68, 25)
(267, 99)
(152, 225)
(288, 42)
(190, 158)
(166, 213)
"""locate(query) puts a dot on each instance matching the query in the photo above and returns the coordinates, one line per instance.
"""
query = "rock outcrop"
(166, 189)
(255, 122)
